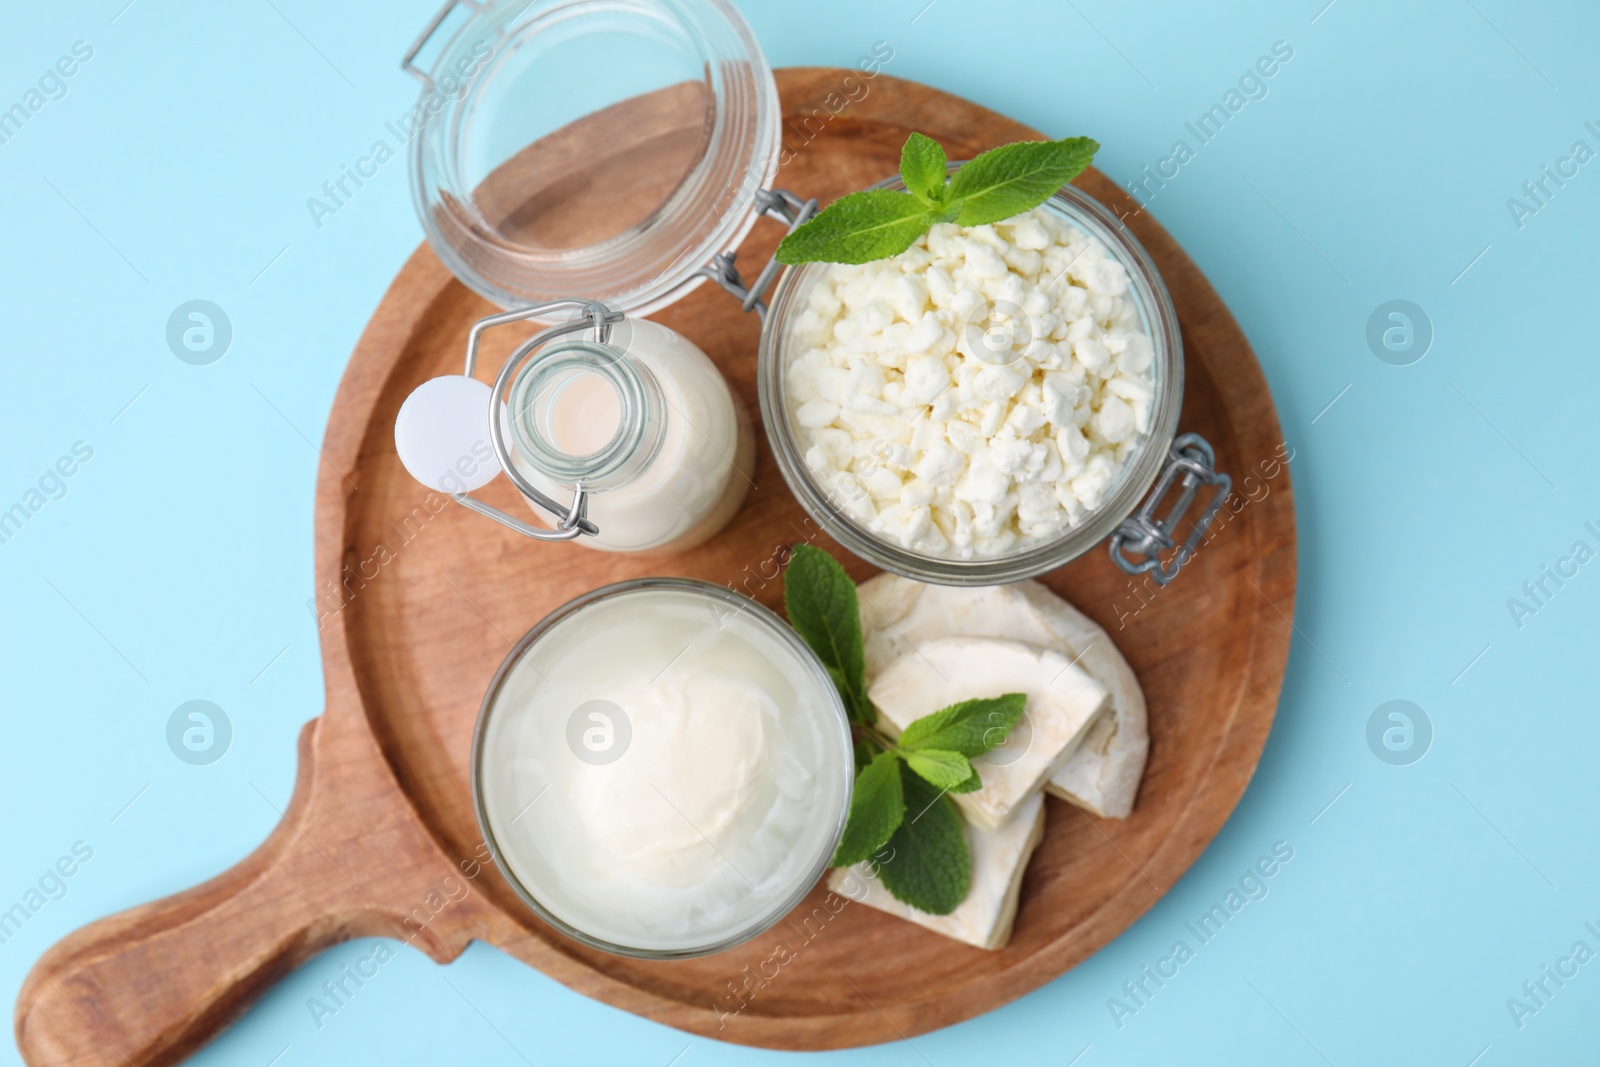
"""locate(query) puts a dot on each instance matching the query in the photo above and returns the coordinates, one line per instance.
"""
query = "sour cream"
(663, 768)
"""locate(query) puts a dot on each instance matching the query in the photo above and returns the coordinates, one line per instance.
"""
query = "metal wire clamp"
(574, 520)
(778, 204)
(1190, 461)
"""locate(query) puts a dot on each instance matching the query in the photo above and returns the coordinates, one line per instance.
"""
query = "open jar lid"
(603, 149)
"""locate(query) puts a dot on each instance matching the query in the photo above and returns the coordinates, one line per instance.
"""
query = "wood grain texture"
(420, 601)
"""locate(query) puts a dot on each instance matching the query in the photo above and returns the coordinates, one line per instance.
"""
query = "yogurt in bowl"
(983, 407)
(662, 768)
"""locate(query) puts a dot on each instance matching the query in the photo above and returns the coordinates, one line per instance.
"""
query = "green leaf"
(857, 228)
(971, 727)
(946, 212)
(821, 601)
(939, 767)
(877, 808)
(1009, 180)
(839, 679)
(971, 785)
(922, 168)
(929, 867)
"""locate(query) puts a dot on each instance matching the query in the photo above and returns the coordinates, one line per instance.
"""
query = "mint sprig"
(899, 799)
(877, 223)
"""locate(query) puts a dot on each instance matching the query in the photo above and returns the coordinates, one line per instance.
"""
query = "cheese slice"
(986, 917)
(1062, 703)
(1102, 775)
(897, 614)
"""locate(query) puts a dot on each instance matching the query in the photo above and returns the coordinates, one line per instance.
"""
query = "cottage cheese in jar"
(977, 394)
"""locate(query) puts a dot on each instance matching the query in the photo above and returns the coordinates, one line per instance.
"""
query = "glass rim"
(1138, 474)
(640, 416)
(769, 621)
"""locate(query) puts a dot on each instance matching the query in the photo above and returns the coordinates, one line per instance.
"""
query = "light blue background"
(179, 563)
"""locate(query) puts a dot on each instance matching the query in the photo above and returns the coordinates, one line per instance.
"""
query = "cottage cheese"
(978, 393)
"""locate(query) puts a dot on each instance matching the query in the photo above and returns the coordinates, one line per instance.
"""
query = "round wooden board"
(420, 601)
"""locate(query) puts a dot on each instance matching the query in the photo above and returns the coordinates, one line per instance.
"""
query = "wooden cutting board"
(421, 599)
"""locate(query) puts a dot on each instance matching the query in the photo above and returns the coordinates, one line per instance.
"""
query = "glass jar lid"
(603, 149)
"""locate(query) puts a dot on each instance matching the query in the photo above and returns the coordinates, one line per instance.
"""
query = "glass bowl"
(779, 347)
(533, 737)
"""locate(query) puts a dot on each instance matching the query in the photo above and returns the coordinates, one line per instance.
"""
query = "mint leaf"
(929, 867)
(877, 808)
(971, 727)
(922, 168)
(857, 228)
(939, 767)
(971, 785)
(1009, 180)
(946, 212)
(820, 599)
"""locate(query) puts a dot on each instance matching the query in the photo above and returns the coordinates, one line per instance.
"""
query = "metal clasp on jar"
(778, 204)
(573, 521)
(1191, 463)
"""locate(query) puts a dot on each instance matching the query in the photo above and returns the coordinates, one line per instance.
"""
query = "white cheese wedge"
(986, 917)
(1062, 703)
(1102, 775)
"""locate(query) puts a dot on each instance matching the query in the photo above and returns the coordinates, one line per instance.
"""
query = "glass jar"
(1156, 455)
(610, 790)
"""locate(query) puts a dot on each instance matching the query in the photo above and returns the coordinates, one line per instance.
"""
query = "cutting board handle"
(150, 985)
